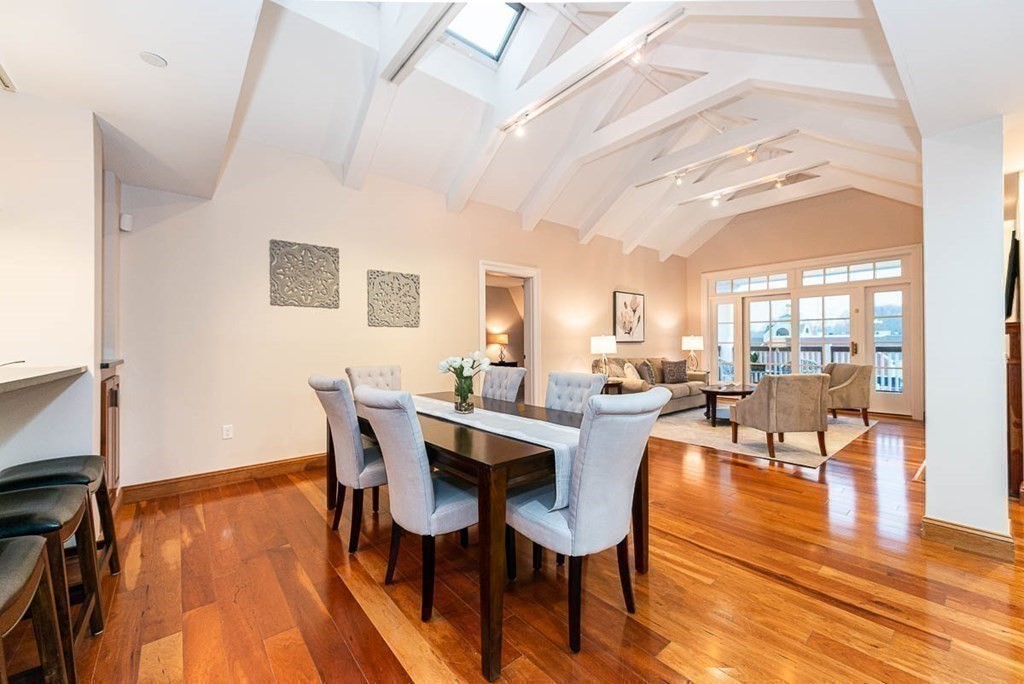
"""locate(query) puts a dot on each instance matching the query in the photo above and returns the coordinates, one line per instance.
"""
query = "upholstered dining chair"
(503, 383)
(424, 503)
(379, 377)
(784, 403)
(359, 466)
(570, 391)
(612, 439)
(849, 387)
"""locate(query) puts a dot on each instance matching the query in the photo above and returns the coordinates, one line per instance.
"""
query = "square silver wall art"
(303, 275)
(392, 299)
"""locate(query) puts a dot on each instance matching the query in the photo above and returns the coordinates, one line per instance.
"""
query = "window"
(824, 331)
(888, 334)
(726, 342)
(892, 268)
(741, 285)
(888, 269)
(486, 26)
(861, 272)
(778, 281)
(769, 332)
(815, 276)
(835, 274)
(759, 283)
(723, 287)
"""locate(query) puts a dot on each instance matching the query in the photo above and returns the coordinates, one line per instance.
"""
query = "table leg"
(641, 503)
(714, 411)
(707, 405)
(492, 491)
(332, 474)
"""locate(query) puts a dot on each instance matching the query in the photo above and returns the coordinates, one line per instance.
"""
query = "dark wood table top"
(726, 390)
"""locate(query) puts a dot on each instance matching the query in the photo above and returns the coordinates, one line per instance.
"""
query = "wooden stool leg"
(357, 520)
(85, 537)
(575, 601)
(47, 630)
(108, 527)
(624, 578)
(62, 604)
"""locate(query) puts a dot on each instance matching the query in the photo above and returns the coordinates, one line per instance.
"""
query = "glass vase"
(463, 392)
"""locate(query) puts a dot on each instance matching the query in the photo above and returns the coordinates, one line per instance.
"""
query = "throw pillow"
(630, 371)
(659, 374)
(675, 372)
(646, 372)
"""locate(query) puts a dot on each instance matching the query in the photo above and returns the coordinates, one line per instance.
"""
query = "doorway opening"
(509, 331)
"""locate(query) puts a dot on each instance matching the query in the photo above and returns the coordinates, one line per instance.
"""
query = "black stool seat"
(18, 560)
(79, 470)
(39, 511)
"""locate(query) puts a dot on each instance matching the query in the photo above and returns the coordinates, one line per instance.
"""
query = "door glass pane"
(837, 306)
(760, 311)
(824, 331)
(725, 332)
(726, 343)
(770, 331)
(888, 340)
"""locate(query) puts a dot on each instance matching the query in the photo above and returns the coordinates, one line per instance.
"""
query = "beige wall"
(503, 316)
(838, 223)
(204, 348)
(50, 196)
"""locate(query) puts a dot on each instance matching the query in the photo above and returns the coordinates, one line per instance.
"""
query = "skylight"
(486, 26)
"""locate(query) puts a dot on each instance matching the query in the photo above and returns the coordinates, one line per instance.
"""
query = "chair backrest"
(378, 377)
(336, 397)
(570, 391)
(796, 403)
(397, 429)
(503, 383)
(612, 440)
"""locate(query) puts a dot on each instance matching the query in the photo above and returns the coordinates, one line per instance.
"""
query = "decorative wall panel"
(392, 299)
(303, 275)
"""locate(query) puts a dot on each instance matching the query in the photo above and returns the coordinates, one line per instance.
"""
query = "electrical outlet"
(227, 432)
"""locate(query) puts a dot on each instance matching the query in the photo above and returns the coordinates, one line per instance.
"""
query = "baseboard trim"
(965, 538)
(218, 478)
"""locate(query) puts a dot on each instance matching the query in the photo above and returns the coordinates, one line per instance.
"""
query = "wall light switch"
(227, 432)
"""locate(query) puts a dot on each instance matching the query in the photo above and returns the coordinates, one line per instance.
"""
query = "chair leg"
(59, 575)
(108, 527)
(575, 601)
(821, 444)
(864, 416)
(559, 559)
(834, 415)
(735, 432)
(47, 630)
(782, 436)
(428, 578)
(396, 540)
(624, 578)
(538, 556)
(357, 520)
(510, 553)
(85, 538)
(771, 445)
(338, 506)
(376, 499)
(464, 537)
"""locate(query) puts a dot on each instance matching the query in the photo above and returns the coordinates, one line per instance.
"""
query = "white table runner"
(559, 438)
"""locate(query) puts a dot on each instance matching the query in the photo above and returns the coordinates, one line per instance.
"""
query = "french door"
(888, 312)
(769, 337)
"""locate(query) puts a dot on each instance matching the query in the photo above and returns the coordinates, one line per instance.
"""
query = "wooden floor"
(759, 573)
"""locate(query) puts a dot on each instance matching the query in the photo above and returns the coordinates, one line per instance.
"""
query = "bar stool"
(25, 587)
(71, 470)
(57, 514)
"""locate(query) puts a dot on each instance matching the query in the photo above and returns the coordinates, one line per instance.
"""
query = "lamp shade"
(693, 343)
(602, 344)
(497, 338)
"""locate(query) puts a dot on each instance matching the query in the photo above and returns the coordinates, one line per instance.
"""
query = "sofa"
(685, 395)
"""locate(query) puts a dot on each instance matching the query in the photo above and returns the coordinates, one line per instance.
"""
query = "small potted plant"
(464, 369)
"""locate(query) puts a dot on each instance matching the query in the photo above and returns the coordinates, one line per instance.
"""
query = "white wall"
(965, 376)
(203, 346)
(50, 181)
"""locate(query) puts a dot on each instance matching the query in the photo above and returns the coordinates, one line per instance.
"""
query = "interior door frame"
(531, 320)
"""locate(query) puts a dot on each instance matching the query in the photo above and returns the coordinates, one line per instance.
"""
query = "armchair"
(849, 388)
(784, 403)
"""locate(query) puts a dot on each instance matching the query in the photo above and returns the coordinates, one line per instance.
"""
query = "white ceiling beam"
(790, 9)
(358, 21)
(854, 159)
(757, 173)
(407, 32)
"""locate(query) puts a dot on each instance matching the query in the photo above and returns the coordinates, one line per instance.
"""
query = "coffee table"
(711, 394)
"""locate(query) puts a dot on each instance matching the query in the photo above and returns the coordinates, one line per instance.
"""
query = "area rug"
(800, 448)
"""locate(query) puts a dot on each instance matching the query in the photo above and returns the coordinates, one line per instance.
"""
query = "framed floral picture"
(628, 316)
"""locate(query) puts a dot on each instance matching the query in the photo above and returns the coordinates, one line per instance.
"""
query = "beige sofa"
(685, 395)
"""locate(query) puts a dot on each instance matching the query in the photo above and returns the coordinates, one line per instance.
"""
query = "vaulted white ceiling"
(652, 153)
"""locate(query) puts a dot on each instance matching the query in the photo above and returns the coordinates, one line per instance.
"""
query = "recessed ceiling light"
(153, 59)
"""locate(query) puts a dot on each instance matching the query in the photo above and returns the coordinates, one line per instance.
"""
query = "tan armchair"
(784, 403)
(849, 388)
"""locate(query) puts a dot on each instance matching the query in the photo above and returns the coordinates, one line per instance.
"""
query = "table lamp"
(498, 338)
(603, 345)
(692, 344)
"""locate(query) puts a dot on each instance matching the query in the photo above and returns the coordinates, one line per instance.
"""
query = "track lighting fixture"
(716, 200)
(679, 179)
(638, 54)
(519, 127)
(779, 182)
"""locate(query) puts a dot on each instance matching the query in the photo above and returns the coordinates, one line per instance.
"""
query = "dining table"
(495, 464)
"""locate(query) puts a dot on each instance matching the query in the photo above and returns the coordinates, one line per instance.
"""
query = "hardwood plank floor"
(760, 572)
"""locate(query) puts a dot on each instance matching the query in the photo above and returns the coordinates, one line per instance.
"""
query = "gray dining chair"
(359, 466)
(379, 377)
(613, 436)
(424, 503)
(503, 383)
(570, 391)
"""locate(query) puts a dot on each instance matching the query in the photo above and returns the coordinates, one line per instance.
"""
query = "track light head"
(716, 200)
(751, 155)
(779, 182)
(679, 179)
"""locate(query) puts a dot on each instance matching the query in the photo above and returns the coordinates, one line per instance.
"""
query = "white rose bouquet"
(464, 369)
